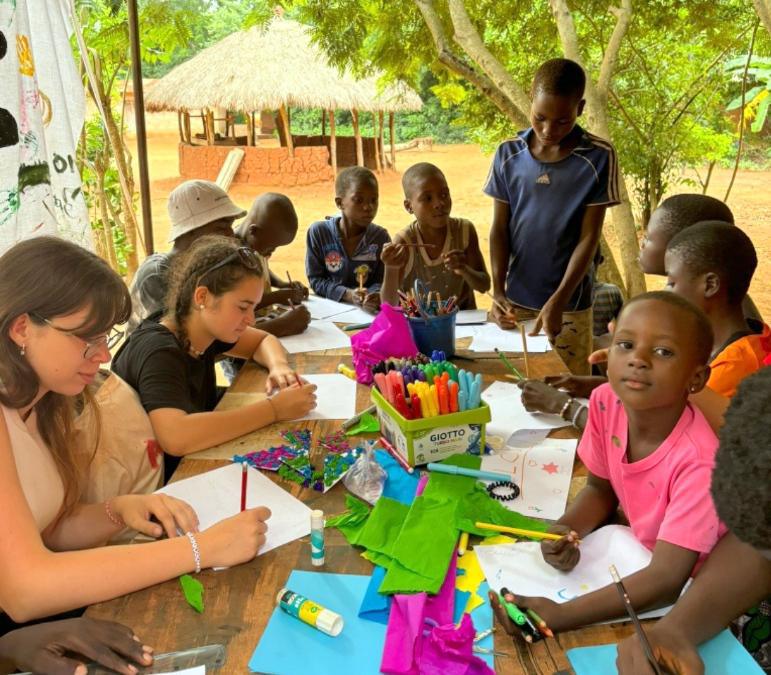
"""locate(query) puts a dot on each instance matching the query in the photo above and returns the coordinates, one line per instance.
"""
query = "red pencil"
(244, 468)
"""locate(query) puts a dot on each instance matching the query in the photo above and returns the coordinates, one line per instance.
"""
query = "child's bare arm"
(500, 248)
(470, 264)
(394, 257)
(551, 313)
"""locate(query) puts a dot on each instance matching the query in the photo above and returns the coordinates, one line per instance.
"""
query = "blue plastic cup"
(435, 332)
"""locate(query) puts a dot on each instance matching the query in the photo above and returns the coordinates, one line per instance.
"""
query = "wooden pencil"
(533, 534)
(505, 310)
(523, 333)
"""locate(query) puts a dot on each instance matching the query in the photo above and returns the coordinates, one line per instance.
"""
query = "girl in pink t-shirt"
(648, 452)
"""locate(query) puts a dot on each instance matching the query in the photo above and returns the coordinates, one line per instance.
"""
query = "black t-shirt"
(164, 375)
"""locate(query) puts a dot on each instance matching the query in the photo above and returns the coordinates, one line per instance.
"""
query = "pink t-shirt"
(666, 495)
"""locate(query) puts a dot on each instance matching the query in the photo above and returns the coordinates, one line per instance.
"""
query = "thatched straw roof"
(267, 67)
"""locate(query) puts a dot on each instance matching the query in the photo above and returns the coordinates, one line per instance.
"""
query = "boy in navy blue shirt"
(343, 252)
(551, 184)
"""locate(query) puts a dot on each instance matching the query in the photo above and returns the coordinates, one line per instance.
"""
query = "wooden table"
(239, 601)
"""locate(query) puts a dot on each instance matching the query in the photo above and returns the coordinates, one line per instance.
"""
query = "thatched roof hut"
(273, 67)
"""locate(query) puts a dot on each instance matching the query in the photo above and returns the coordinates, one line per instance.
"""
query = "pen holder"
(434, 332)
(430, 439)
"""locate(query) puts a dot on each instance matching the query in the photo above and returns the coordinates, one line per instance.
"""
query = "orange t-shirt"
(738, 360)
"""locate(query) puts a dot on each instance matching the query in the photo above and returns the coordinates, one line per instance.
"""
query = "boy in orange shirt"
(711, 264)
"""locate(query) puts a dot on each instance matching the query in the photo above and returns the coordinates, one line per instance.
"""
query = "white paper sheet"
(324, 308)
(509, 414)
(521, 568)
(354, 315)
(470, 316)
(488, 336)
(318, 336)
(216, 495)
(196, 670)
(335, 397)
(542, 473)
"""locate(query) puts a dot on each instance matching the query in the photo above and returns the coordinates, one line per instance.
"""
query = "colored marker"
(540, 623)
(395, 454)
(463, 544)
(472, 473)
(244, 476)
(350, 373)
(357, 418)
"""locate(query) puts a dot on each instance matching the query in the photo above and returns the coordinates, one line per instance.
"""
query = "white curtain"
(42, 109)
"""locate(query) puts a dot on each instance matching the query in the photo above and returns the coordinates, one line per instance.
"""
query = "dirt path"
(466, 168)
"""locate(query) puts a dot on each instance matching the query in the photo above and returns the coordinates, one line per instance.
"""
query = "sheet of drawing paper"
(471, 316)
(722, 655)
(335, 397)
(318, 336)
(290, 646)
(521, 567)
(216, 495)
(324, 308)
(488, 336)
(542, 473)
(509, 414)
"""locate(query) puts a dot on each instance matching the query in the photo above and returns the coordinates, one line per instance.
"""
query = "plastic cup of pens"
(431, 319)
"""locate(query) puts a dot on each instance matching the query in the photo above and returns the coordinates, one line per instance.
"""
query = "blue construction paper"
(375, 606)
(722, 655)
(399, 485)
(482, 617)
(461, 598)
(291, 647)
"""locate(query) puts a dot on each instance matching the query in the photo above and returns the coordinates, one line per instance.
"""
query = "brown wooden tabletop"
(239, 601)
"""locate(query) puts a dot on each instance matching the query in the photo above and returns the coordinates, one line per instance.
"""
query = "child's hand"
(541, 397)
(671, 650)
(550, 319)
(394, 255)
(455, 260)
(562, 554)
(551, 612)
(137, 510)
(505, 319)
(293, 322)
(301, 292)
(234, 540)
(356, 296)
(371, 303)
(295, 401)
(59, 647)
(281, 376)
(580, 386)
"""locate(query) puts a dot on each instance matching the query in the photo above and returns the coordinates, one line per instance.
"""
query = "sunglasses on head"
(242, 254)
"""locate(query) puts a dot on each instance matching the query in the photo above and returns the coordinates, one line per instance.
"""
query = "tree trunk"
(763, 8)
(391, 130)
(357, 136)
(381, 140)
(284, 114)
(332, 142)
(378, 166)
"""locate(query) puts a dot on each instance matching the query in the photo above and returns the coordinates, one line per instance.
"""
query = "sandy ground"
(466, 168)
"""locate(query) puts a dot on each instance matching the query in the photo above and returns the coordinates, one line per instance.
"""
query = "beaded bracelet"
(115, 520)
(574, 422)
(503, 490)
(273, 408)
(196, 551)
(566, 407)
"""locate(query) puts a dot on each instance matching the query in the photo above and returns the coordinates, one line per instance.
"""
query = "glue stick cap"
(317, 519)
(329, 622)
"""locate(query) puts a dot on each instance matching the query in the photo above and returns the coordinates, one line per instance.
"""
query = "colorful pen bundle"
(418, 390)
(425, 304)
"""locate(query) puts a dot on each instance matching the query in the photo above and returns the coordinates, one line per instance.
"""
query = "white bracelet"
(273, 409)
(196, 551)
(115, 520)
(576, 414)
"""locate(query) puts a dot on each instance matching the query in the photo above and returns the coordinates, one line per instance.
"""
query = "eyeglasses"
(108, 340)
(246, 256)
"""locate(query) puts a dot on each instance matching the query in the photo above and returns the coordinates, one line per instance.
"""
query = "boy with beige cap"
(196, 208)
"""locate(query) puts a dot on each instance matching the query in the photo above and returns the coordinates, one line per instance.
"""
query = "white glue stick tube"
(317, 538)
(309, 612)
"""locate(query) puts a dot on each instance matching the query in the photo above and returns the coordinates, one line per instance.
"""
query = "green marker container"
(514, 612)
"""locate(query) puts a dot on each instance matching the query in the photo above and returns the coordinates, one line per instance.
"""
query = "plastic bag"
(389, 335)
(366, 478)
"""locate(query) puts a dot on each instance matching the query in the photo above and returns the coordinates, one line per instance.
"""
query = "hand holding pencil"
(503, 312)
(562, 554)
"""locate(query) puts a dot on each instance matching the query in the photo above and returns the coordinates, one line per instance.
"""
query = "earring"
(201, 307)
(23, 350)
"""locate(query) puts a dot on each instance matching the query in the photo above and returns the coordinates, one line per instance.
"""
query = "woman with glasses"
(58, 305)
(170, 359)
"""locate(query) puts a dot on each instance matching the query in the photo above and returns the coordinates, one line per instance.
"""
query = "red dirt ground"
(466, 168)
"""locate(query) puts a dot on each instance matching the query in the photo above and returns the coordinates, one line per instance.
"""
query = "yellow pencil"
(515, 530)
(463, 543)
(523, 334)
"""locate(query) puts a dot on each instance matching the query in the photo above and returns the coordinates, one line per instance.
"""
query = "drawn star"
(551, 467)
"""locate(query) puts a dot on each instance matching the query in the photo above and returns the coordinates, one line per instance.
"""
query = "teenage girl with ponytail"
(170, 359)
(58, 306)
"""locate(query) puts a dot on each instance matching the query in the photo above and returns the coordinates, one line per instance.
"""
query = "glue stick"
(309, 612)
(317, 538)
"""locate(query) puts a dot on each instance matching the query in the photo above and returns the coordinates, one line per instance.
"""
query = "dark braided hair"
(189, 271)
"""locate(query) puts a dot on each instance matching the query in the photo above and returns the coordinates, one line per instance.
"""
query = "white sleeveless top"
(38, 475)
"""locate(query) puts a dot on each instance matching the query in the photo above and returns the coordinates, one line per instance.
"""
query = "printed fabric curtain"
(42, 109)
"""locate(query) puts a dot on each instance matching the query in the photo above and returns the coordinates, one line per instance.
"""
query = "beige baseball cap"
(196, 203)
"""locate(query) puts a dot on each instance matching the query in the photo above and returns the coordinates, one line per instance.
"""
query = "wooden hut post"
(188, 131)
(357, 136)
(332, 142)
(249, 129)
(179, 124)
(323, 124)
(282, 111)
(393, 140)
(378, 165)
(381, 140)
(210, 133)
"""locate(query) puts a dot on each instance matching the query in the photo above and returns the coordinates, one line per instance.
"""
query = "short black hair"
(417, 172)
(721, 248)
(681, 211)
(741, 488)
(703, 335)
(352, 176)
(560, 77)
